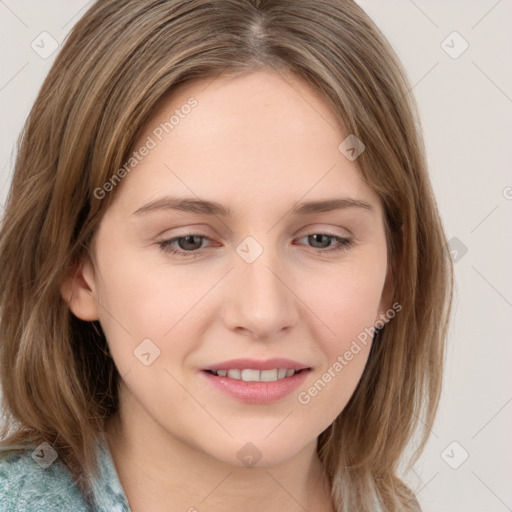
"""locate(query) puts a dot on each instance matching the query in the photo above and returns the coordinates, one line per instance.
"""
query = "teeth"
(268, 375)
(250, 375)
(234, 374)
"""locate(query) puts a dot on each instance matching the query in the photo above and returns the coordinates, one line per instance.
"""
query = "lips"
(256, 381)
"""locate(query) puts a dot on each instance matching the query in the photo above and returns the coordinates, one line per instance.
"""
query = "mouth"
(252, 375)
(254, 381)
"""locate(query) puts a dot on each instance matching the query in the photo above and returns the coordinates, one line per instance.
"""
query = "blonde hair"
(59, 382)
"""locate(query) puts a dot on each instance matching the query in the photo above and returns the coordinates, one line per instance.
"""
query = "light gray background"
(466, 107)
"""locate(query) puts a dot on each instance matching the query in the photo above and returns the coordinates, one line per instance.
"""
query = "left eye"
(189, 245)
(192, 242)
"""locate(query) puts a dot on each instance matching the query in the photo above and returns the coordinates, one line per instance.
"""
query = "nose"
(260, 300)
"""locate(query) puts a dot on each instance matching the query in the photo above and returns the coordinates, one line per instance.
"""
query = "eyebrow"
(204, 207)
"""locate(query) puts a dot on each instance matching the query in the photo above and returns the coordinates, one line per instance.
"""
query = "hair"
(121, 58)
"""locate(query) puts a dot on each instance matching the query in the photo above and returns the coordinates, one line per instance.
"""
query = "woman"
(176, 333)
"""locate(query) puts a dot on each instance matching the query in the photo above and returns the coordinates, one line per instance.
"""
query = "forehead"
(261, 137)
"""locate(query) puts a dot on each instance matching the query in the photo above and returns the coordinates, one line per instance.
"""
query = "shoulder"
(29, 482)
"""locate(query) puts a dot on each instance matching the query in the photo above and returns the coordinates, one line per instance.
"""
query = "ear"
(78, 290)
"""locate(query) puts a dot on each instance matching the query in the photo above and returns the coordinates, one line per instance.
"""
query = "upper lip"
(256, 364)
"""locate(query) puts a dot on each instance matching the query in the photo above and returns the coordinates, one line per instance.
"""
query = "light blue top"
(31, 485)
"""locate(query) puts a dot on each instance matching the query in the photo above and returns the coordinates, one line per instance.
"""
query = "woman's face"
(217, 248)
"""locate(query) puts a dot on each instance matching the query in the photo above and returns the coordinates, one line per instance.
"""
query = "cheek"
(347, 303)
(141, 299)
(347, 298)
(142, 290)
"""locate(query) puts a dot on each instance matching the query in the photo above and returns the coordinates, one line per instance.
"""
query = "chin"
(260, 452)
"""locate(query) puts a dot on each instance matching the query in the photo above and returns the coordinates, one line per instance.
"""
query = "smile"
(251, 375)
(256, 380)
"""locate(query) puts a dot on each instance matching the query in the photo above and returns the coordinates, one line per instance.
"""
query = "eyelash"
(344, 244)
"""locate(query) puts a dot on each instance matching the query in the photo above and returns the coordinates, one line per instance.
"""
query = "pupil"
(187, 240)
(315, 239)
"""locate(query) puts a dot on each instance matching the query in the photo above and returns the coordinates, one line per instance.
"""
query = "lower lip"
(257, 392)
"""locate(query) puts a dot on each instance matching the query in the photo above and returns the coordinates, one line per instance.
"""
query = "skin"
(257, 143)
